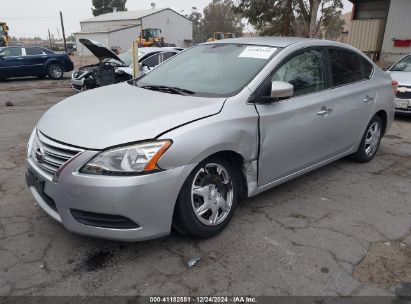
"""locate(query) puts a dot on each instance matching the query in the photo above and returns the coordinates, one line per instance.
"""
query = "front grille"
(50, 155)
(405, 94)
(103, 220)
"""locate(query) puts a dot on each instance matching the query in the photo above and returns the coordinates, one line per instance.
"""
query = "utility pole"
(64, 33)
(50, 40)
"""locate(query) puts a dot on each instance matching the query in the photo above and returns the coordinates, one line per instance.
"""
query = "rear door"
(354, 96)
(34, 61)
(296, 133)
(11, 62)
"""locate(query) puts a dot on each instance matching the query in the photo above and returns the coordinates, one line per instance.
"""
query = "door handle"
(368, 99)
(324, 112)
(19, 58)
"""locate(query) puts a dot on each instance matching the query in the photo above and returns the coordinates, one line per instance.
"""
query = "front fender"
(235, 129)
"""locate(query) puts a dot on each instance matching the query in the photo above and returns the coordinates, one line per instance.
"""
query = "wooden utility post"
(64, 33)
(51, 45)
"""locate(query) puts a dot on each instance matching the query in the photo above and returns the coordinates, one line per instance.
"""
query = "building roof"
(110, 29)
(128, 15)
(268, 41)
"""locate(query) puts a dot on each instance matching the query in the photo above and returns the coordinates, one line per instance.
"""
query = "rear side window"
(345, 67)
(367, 68)
(33, 51)
(168, 55)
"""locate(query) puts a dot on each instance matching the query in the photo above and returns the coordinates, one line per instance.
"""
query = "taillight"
(394, 84)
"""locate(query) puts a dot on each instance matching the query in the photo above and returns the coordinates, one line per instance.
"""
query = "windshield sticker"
(259, 52)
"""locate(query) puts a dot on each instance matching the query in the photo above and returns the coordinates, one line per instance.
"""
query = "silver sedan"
(218, 123)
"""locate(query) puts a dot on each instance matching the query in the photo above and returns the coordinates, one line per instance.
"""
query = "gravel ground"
(341, 230)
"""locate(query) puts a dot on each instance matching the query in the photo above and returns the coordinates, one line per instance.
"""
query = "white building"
(118, 30)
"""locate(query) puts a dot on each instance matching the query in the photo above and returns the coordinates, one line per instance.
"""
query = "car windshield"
(404, 65)
(219, 70)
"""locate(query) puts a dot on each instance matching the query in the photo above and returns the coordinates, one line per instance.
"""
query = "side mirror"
(1, 56)
(281, 89)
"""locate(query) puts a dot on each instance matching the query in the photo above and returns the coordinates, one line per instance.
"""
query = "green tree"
(106, 6)
(219, 16)
(269, 17)
(197, 18)
(287, 17)
(333, 24)
(312, 12)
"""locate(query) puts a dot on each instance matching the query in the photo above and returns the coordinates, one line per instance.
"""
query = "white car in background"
(401, 72)
(114, 68)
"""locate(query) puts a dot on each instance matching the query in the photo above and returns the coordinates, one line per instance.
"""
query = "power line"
(30, 18)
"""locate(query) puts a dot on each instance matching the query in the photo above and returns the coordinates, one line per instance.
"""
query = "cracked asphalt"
(305, 237)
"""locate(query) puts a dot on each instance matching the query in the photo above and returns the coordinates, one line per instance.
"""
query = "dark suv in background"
(17, 61)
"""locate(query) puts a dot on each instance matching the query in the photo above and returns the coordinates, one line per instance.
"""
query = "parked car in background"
(114, 68)
(401, 72)
(220, 122)
(17, 61)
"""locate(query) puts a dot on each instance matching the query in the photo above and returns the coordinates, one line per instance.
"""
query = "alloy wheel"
(212, 194)
(372, 139)
(55, 71)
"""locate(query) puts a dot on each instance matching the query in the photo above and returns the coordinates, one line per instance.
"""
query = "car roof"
(268, 41)
(150, 49)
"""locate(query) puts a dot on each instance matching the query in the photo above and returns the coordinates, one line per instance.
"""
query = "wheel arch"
(52, 61)
(384, 117)
(238, 163)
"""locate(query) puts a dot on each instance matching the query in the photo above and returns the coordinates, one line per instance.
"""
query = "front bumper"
(147, 200)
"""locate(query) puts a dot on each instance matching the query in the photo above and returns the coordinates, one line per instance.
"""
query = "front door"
(295, 133)
(11, 62)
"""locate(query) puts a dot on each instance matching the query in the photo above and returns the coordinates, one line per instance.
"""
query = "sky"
(30, 18)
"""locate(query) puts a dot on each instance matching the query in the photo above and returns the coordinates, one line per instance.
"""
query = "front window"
(211, 69)
(11, 52)
(305, 71)
(404, 65)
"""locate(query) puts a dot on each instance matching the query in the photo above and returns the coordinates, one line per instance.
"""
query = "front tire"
(208, 198)
(55, 71)
(370, 142)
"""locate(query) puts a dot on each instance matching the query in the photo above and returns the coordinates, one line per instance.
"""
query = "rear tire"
(55, 71)
(370, 142)
(208, 198)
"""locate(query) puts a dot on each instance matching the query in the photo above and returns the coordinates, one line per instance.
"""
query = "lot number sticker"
(258, 52)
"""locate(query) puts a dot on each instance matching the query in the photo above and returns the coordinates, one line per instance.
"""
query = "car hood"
(99, 50)
(120, 114)
(403, 78)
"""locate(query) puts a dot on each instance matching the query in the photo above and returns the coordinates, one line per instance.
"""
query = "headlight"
(130, 160)
(30, 142)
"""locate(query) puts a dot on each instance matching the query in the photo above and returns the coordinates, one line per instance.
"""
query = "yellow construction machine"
(150, 37)
(220, 35)
(4, 34)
